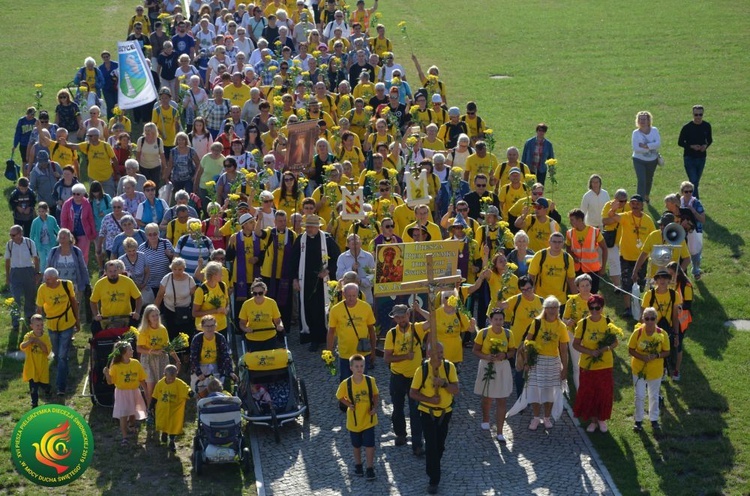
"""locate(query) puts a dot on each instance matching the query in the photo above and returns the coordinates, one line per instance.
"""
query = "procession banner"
(301, 147)
(136, 85)
(404, 262)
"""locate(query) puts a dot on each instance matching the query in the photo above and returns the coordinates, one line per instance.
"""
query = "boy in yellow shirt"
(360, 395)
(36, 345)
(169, 398)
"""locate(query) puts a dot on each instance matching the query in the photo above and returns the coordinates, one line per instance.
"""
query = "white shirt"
(592, 205)
(20, 255)
(366, 262)
(328, 31)
(245, 46)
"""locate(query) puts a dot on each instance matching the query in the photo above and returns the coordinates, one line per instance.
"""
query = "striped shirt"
(188, 250)
(157, 260)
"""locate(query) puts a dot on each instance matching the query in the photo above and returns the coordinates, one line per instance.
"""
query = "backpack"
(479, 122)
(183, 241)
(350, 393)
(205, 288)
(566, 261)
(425, 370)
(67, 308)
(10, 247)
(485, 331)
(413, 333)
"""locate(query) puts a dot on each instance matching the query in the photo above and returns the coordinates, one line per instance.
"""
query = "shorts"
(613, 261)
(364, 438)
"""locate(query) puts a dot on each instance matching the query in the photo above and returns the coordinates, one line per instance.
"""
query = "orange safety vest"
(586, 253)
(684, 317)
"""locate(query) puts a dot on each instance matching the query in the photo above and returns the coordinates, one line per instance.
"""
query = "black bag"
(610, 237)
(12, 170)
(363, 344)
(182, 315)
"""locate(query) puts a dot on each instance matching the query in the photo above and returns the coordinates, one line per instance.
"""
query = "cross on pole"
(432, 285)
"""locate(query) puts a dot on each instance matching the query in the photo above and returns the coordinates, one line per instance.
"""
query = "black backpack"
(566, 262)
(350, 392)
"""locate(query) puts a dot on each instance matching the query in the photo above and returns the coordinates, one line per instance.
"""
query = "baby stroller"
(101, 345)
(272, 394)
(219, 436)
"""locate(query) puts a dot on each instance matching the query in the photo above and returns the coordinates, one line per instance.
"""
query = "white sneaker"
(501, 438)
(485, 426)
(534, 423)
(547, 423)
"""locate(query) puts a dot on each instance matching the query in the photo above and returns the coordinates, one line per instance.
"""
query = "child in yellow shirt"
(168, 401)
(36, 345)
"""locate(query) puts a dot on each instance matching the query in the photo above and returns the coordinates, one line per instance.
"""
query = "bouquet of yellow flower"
(552, 169)
(332, 192)
(371, 184)
(375, 19)
(496, 346)
(432, 85)
(210, 187)
(179, 343)
(529, 180)
(131, 335)
(402, 27)
(489, 138)
(611, 335)
(455, 177)
(484, 203)
(333, 290)
(38, 94)
(532, 352)
(15, 311)
(301, 185)
(384, 207)
(329, 361)
(647, 347)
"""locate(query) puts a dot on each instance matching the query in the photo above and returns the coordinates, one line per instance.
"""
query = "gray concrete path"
(318, 460)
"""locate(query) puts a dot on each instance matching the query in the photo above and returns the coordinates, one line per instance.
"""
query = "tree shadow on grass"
(721, 235)
(708, 328)
(690, 452)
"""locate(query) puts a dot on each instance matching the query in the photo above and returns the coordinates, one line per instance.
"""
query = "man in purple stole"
(275, 267)
(244, 251)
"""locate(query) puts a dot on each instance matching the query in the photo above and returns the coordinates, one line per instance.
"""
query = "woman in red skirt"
(595, 339)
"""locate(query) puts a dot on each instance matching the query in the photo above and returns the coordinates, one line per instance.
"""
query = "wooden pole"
(431, 308)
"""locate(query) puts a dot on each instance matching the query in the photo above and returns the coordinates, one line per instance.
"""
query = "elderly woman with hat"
(314, 258)
(260, 319)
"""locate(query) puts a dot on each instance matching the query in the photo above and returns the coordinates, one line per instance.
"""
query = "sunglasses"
(527, 288)
(149, 189)
(481, 185)
(697, 115)
(268, 163)
(258, 293)
(389, 226)
(462, 209)
(267, 201)
(687, 190)
(77, 194)
(649, 318)
(153, 234)
(595, 308)
(471, 113)
(63, 97)
(384, 190)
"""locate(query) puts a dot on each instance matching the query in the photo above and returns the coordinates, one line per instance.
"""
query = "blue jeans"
(61, 341)
(399, 389)
(644, 173)
(694, 168)
(696, 261)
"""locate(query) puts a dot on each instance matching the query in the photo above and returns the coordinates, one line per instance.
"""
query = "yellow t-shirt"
(520, 313)
(289, 204)
(508, 196)
(663, 304)
(36, 364)
(356, 157)
(339, 229)
(122, 120)
(153, 339)
(641, 342)
(437, 145)
(552, 279)
(549, 336)
(166, 122)
(358, 120)
(99, 157)
(403, 343)
(449, 329)
(475, 125)
(127, 375)
(366, 234)
(655, 238)
(501, 173)
(56, 305)
(502, 342)
(362, 317)
(237, 96)
(480, 165)
(207, 298)
(208, 351)
(267, 247)
(590, 340)
(379, 46)
(539, 232)
(496, 285)
(331, 195)
(611, 227)
(403, 215)
(115, 298)
(446, 398)
(175, 230)
(633, 233)
(258, 317)
(359, 419)
(421, 117)
(576, 308)
(61, 154)
(170, 405)
(432, 228)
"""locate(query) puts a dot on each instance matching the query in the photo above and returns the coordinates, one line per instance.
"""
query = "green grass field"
(585, 68)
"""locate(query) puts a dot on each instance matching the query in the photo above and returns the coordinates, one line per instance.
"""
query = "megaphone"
(674, 234)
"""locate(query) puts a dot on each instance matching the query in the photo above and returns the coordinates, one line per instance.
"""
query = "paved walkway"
(318, 460)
